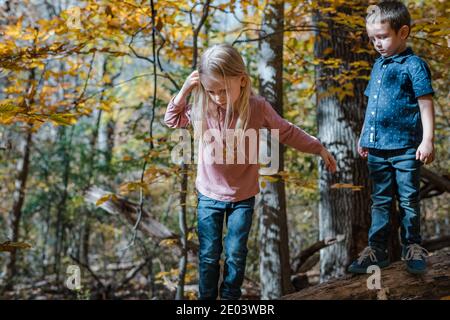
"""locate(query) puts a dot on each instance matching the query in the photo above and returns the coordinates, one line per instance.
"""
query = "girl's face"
(217, 90)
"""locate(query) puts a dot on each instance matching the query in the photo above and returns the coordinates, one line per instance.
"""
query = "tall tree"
(196, 29)
(23, 165)
(340, 115)
(273, 241)
(65, 136)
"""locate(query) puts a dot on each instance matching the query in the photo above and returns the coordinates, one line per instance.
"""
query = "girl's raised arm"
(177, 113)
(177, 116)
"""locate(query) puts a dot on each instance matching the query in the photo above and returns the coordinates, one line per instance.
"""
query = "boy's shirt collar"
(399, 57)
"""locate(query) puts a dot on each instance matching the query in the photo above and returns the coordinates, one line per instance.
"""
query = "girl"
(223, 101)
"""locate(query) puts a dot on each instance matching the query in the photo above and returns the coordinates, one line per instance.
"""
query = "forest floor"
(49, 288)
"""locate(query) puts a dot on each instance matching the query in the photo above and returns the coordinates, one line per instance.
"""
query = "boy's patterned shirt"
(392, 118)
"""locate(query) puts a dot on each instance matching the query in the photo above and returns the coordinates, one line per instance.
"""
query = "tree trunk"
(185, 171)
(61, 207)
(18, 200)
(110, 128)
(274, 247)
(341, 211)
(20, 184)
(85, 228)
(396, 283)
(183, 239)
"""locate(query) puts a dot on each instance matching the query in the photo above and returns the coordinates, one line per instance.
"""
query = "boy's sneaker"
(368, 257)
(415, 255)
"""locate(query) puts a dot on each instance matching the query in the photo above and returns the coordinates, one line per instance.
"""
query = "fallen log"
(436, 243)
(396, 284)
(301, 281)
(148, 225)
(433, 184)
(120, 206)
(305, 256)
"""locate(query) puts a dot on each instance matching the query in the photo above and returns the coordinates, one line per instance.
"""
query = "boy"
(397, 136)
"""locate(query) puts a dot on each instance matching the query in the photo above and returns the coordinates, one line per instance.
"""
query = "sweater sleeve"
(177, 116)
(290, 134)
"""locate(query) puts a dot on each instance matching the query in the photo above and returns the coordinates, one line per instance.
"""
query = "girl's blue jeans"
(394, 174)
(238, 217)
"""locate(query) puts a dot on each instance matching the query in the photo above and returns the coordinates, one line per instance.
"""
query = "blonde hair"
(219, 62)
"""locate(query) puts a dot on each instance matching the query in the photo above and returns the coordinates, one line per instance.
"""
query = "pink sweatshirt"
(236, 182)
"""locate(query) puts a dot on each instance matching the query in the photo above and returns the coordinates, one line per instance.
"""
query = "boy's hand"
(363, 152)
(425, 152)
(330, 162)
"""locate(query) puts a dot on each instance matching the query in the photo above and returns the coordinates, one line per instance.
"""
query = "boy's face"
(385, 40)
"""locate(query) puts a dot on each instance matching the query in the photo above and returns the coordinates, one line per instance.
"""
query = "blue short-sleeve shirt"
(392, 118)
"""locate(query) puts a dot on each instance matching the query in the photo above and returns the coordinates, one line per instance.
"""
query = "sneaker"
(415, 255)
(368, 257)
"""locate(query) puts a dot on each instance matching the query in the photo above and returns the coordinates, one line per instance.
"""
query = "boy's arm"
(425, 151)
(363, 152)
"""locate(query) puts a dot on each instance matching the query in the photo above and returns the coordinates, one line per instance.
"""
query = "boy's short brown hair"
(393, 12)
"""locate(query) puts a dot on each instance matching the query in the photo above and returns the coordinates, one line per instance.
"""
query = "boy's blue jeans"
(238, 217)
(394, 173)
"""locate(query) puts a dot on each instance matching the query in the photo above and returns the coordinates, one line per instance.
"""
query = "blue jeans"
(238, 217)
(394, 173)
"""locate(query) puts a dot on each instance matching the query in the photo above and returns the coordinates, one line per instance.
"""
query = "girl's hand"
(191, 82)
(330, 162)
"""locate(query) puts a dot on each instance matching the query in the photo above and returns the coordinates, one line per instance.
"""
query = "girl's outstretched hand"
(330, 162)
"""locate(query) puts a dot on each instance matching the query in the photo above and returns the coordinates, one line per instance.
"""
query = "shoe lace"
(368, 252)
(415, 252)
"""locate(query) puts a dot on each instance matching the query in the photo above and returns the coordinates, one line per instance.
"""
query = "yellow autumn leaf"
(271, 179)
(346, 186)
(168, 242)
(10, 108)
(328, 51)
(292, 113)
(11, 246)
(103, 199)
(65, 119)
(191, 235)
